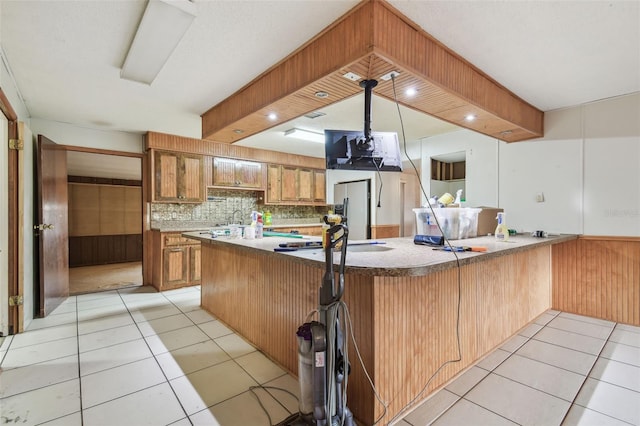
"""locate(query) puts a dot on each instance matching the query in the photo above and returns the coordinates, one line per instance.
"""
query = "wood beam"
(371, 40)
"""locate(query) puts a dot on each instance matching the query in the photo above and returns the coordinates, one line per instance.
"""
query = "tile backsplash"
(229, 206)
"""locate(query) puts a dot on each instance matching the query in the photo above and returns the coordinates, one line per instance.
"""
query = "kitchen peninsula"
(403, 300)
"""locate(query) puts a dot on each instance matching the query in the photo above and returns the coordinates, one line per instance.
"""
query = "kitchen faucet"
(233, 217)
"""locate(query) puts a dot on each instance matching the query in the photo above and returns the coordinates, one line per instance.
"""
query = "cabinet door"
(175, 266)
(273, 183)
(305, 185)
(224, 172)
(194, 264)
(289, 183)
(249, 174)
(319, 189)
(166, 176)
(190, 183)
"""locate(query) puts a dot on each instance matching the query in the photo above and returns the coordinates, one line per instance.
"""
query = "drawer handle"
(175, 250)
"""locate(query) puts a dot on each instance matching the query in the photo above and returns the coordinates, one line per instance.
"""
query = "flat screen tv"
(349, 150)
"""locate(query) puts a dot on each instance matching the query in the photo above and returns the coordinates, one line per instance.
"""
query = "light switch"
(540, 197)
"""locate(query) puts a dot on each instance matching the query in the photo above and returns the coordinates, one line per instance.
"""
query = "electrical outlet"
(540, 197)
(174, 215)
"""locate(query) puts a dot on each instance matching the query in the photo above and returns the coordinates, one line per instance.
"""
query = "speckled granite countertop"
(394, 256)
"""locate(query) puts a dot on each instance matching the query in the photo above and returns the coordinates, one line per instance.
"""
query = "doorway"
(105, 220)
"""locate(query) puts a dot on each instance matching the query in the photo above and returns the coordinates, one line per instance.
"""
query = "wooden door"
(319, 186)
(249, 174)
(289, 184)
(176, 266)
(224, 172)
(273, 183)
(53, 218)
(166, 176)
(305, 185)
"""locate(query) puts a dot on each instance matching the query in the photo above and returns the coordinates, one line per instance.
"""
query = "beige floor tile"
(162, 325)
(286, 390)
(182, 422)
(191, 358)
(199, 316)
(102, 312)
(5, 342)
(234, 345)
(591, 320)
(113, 356)
(617, 373)
(530, 330)
(580, 416)
(74, 419)
(160, 311)
(156, 405)
(52, 321)
(581, 327)
(99, 324)
(627, 337)
(110, 384)
(571, 340)
(109, 337)
(64, 308)
(34, 354)
(96, 295)
(215, 329)
(578, 362)
(517, 402)
(243, 410)
(432, 408)
(544, 318)
(464, 412)
(494, 359)
(52, 402)
(113, 299)
(467, 380)
(514, 343)
(43, 335)
(544, 377)
(175, 339)
(261, 368)
(621, 352)
(35, 376)
(614, 401)
(211, 385)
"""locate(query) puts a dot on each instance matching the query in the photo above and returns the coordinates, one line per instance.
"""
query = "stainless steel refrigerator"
(358, 212)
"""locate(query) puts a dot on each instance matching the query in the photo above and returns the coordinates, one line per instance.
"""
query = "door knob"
(43, 226)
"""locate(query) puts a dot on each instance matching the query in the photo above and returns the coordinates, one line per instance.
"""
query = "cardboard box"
(487, 221)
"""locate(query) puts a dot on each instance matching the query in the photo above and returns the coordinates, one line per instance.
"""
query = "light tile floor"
(134, 357)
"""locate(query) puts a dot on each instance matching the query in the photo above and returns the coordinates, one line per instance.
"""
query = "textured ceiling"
(66, 55)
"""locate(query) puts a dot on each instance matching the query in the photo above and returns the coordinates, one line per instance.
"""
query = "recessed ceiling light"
(352, 76)
(272, 116)
(410, 91)
(321, 95)
(238, 131)
(470, 117)
(314, 114)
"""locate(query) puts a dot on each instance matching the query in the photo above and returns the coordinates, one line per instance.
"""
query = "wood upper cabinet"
(273, 183)
(319, 186)
(237, 173)
(295, 185)
(178, 178)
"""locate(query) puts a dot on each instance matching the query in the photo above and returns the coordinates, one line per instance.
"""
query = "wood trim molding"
(449, 86)
(608, 238)
(164, 141)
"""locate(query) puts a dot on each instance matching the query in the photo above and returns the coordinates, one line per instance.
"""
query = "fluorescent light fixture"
(305, 135)
(163, 25)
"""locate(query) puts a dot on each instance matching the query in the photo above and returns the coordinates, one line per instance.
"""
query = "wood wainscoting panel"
(598, 277)
(385, 231)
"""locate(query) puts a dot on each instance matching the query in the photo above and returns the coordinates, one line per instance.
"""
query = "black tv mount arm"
(368, 86)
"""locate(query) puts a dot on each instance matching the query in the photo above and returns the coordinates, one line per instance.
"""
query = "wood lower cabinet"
(178, 261)
(178, 177)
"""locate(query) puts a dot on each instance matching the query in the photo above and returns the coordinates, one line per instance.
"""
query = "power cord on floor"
(253, 391)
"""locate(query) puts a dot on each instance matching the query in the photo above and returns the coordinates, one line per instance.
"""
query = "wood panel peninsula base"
(403, 304)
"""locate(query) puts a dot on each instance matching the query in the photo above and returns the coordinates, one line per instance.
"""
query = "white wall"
(481, 181)
(587, 167)
(67, 134)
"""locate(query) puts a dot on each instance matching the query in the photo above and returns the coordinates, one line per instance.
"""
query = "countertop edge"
(466, 258)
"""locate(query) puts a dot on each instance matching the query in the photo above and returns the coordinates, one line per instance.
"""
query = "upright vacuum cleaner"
(322, 366)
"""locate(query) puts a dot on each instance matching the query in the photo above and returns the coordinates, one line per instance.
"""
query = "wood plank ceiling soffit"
(372, 40)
